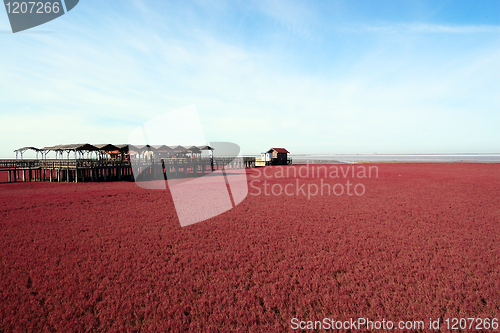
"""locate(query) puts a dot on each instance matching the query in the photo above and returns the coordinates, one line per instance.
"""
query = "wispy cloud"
(427, 28)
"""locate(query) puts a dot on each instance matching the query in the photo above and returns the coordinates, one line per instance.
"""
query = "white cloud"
(427, 28)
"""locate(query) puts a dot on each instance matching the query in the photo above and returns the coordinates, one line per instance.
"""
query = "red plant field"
(420, 243)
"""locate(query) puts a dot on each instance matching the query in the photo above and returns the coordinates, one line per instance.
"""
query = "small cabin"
(279, 156)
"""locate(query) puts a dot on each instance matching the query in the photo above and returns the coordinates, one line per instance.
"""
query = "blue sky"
(314, 77)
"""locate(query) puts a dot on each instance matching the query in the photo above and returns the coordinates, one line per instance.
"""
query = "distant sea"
(357, 158)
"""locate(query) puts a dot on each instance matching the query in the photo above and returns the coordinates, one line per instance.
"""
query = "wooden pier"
(91, 170)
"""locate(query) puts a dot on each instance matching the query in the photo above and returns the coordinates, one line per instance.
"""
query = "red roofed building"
(279, 156)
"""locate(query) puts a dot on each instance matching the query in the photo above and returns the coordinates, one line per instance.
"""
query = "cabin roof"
(278, 150)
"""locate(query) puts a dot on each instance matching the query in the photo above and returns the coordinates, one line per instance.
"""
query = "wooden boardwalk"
(91, 170)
